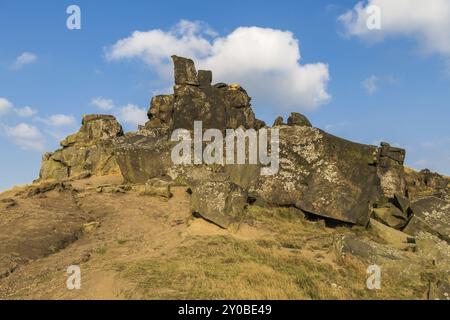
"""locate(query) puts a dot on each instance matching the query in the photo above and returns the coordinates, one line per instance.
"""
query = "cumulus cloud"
(265, 61)
(428, 22)
(5, 106)
(58, 120)
(24, 59)
(102, 103)
(25, 136)
(25, 111)
(132, 115)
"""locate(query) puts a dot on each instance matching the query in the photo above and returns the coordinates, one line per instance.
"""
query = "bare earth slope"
(131, 246)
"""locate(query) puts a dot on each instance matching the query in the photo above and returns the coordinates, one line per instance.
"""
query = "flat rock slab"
(432, 215)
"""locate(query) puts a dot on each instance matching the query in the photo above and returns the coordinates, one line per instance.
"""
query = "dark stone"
(161, 107)
(220, 85)
(185, 72)
(278, 122)
(431, 215)
(391, 216)
(204, 78)
(401, 202)
(297, 119)
(319, 173)
(220, 202)
(390, 169)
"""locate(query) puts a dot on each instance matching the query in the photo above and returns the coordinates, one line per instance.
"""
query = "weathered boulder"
(391, 216)
(204, 78)
(390, 170)
(156, 187)
(318, 173)
(185, 72)
(297, 119)
(367, 250)
(431, 215)
(141, 157)
(161, 108)
(402, 203)
(90, 150)
(392, 237)
(278, 122)
(220, 202)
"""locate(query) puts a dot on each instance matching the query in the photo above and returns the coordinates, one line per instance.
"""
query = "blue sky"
(392, 85)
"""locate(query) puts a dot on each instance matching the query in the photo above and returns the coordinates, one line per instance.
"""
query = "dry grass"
(284, 267)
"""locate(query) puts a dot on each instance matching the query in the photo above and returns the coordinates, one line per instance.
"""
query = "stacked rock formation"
(319, 174)
(89, 151)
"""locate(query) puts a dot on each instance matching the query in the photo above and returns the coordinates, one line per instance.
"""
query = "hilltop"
(141, 226)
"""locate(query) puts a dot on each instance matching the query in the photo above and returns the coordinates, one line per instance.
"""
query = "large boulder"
(318, 173)
(391, 216)
(392, 237)
(221, 202)
(89, 151)
(431, 215)
(297, 119)
(142, 157)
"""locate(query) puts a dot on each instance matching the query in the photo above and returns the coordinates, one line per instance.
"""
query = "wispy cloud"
(371, 84)
(23, 60)
(25, 112)
(102, 103)
(58, 120)
(374, 83)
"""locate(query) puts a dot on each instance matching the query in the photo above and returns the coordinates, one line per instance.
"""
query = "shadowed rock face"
(432, 215)
(195, 99)
(319, 173)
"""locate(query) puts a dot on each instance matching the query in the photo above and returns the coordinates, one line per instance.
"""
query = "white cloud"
(133, 115)
(428, 22)
(26, 136)
(371, 84)
(102, 103)
(374, 83)
(25, 112)
(24, 59)
(58, 120)
(5, 106)
(265, 61)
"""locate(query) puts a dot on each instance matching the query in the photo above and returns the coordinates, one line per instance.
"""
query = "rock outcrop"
(318, 174)
(89, 151)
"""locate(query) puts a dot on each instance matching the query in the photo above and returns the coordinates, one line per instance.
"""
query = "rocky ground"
(130, 245)
(142, 226)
